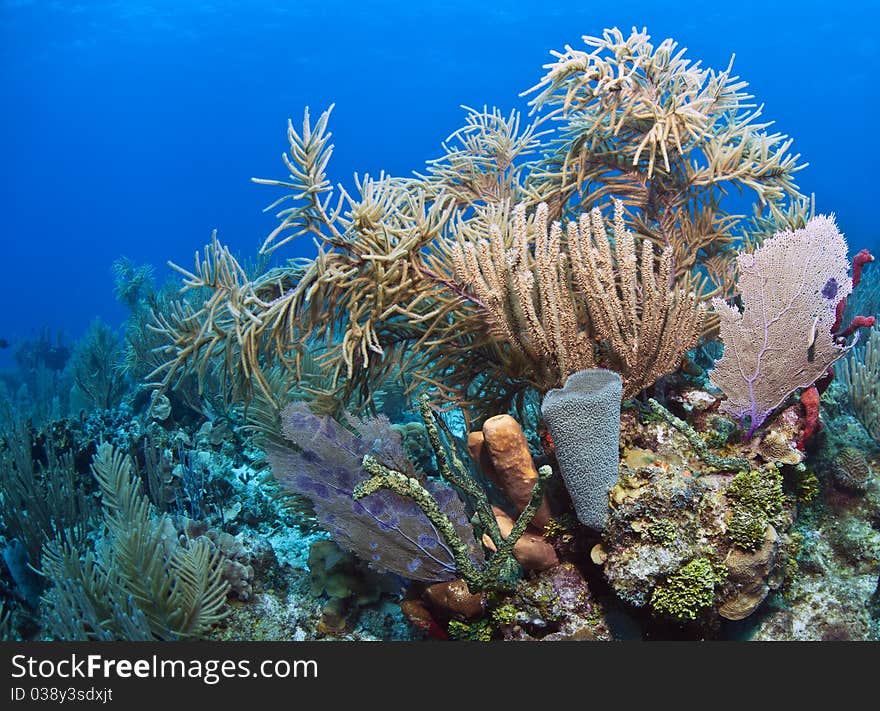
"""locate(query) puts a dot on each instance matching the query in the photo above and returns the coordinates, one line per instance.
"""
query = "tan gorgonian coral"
(482, 161)
(362, 301)
(203, 336)
(381, 300)
(526, 292)
(375, 301)
(366, 297)
(644, 124)
(647, 317)
(555, 303)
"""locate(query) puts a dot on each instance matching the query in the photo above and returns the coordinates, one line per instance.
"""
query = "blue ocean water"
(133, 128)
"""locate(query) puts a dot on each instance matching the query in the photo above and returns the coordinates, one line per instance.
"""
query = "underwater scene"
(439, 322)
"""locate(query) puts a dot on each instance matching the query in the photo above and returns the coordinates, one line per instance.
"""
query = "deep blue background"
(133, 128)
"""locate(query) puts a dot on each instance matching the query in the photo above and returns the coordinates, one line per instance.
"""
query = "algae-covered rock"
(638, 556)
(668, 546)
(556, 605)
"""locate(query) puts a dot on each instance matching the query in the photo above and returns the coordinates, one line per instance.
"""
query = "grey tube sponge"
(584, 421)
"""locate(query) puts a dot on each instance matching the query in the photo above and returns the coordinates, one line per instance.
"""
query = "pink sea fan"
(782, 339)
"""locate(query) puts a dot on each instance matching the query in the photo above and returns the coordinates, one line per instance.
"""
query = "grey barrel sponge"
(583, 418)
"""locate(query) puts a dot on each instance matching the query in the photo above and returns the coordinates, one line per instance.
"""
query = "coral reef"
(645, 123)
(487, 409)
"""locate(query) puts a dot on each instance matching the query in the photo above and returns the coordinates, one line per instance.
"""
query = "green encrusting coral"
(688, 590)
(479, 631)
(756, 497)
(662, 531)
(806, 483)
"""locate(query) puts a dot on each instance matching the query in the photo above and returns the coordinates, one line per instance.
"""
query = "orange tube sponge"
(503, 453)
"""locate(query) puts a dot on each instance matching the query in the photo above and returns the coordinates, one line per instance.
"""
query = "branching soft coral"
(139, 582)
(642, 123)
(554, 303)
(631, 121)
(377, 300)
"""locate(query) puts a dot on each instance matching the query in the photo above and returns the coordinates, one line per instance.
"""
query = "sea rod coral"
(861, 374)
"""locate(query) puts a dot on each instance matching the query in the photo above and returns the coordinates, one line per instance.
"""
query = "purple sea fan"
(781, 340)
(387, 530)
